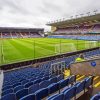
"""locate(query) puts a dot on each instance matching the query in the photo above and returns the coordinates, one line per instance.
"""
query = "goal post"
(91, 44)
(64, 47)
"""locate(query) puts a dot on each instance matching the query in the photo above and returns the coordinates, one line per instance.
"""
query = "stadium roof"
(2, 29)
(77, 21)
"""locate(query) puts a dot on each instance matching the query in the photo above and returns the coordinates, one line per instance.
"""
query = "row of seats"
(96, 97)
(67, 93)
(53, 84)
(80, 37)
(45, 81)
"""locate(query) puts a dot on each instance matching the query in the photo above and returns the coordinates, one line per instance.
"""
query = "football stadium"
(61, 65)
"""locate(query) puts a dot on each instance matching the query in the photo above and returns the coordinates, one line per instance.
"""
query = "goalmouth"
(64, 47)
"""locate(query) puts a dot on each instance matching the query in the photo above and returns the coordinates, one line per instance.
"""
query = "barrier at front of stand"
(89, 67)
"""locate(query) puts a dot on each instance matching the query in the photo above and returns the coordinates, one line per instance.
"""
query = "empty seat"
(63, 83)
(41, 93)
(33, 88)
(60, 77)
(32, 79)
(21, 93)
(7, 87)
(28, 84)
(69, 93)
(37, 81)
(10, 96)
(16, 84)
(96, 97)
(80, 87)
(53, 80)
(19, 87)
(57, 97)
(28, 97)
(44, 84)
(7, 91)
(72, 79)
(45, 78)
(24, 82)
(53, 88)
(88, 82)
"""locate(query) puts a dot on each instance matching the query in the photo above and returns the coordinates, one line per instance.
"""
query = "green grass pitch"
(16, 50)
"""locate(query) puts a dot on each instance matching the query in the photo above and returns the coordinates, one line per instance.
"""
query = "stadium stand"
(7, 32)
(77, 28)
(39, 82)
(79, 37)
(82, 29)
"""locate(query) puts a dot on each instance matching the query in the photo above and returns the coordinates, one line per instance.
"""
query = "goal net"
(90, 44)
(64, 47)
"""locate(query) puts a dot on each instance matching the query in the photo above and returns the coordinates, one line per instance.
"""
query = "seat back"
(80, 87)
(44, 84)
(28, 84)
(60, 77)
(33, 88)
(41, 93)
(21, 93)
(28, 97)
(10, 96)
(53, 80)
(53, 88)
(63, 83)
(7, 91)
(19, 87)
(7, 87)
(24, 82)
(16, 84)
(70, 93)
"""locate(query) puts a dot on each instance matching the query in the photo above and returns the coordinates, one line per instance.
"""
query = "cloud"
(36, 13)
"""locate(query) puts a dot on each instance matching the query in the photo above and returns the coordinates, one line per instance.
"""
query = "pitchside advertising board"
(89, 67)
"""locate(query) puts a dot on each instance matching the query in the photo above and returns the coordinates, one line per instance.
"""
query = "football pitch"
(16, 50)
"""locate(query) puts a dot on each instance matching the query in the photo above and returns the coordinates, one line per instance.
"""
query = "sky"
(36, 13)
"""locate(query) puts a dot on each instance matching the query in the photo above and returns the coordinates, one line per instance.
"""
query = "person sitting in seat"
(80, 58)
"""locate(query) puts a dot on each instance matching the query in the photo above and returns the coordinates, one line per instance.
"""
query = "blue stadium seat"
(57, 97)
(27, 85)
(72, 79)
(53, 80)
(7, 87)
(16, 84)
(80, 87)
(96, 97)
(33, 88)
(41, 93)
(28, 97)
(63, 83)
(37, 81)
(45, 78)
(32, 79)
(44, 84)
(60, 77)
(7, 91)
(53, 88)
(88, 82)
(21, 93)
(10, 96)
(24, 82)
(17, 88)
(69, 93)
